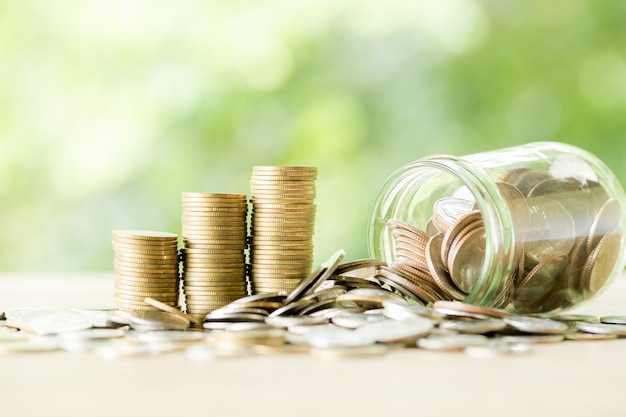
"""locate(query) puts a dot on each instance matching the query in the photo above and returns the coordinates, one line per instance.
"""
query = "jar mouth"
(470, 181)
(501, 240)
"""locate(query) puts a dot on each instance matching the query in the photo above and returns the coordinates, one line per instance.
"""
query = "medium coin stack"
(214, 237)
(146, 265)
(283, 220)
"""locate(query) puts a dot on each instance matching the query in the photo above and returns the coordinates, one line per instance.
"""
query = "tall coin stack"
(214, 237)
(146, 265)
(283, 221)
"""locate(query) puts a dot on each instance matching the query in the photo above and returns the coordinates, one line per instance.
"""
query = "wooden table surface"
(565, 379)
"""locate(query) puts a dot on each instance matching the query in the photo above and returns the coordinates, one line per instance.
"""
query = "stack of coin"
(214, 237)
(146, 265)
(283, 219)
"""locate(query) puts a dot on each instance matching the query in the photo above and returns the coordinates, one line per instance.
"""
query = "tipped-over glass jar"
(533, 228)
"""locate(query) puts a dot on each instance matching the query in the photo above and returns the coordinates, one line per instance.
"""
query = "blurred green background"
(110, 109)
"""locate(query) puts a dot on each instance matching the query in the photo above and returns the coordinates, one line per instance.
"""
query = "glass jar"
(533, 228)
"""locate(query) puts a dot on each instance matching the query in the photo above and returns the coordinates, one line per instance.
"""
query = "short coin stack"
(283, 221)
(146, 265)
(214, 237)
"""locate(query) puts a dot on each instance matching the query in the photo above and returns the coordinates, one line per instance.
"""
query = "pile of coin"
(146, 265)
(567, 233)
(338, 311)
(214, 238)
(282, 225)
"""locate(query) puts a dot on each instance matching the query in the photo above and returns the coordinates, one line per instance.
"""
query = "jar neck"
(500, 234)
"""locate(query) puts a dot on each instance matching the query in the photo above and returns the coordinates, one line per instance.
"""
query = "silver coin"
(496, 347)
(551, 229)
(533, 338)
(315, 279)
(157, 320)
(288, 321)
(335, 353)
(330, 337)
(569, 318)
(613, 320)
(301, 329)
(28, 346)
(451, 342)
(234, 317)
(236, 326)
(536, 325)
(17, 313)
(474, 326)
(91, 334)
(583, 336)
(333, 311)
(450, 209)
(400, 310)
(391, 331)
(169, 336)
(602, 328)
(355, 320)
(55, 321)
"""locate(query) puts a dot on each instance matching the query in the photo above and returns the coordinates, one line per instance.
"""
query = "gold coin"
(276, 283)
(169, 309)
(463, 225)
(141, 257)
(158, 249)
(438, 271)
(601, 262)
(120, 292)
(208, 294)
(139, 300)
(215, 203)
(124, 258)
(214, 219)
(209, 227)
(220, 235)
(216, 285)
(281, 229)
(171, 250)
(219, 196)
(465, 260)
(170, 255)
(128, 287)
(213, 298)
(149, 267)
(141, 306)
(118, 266)
(141, 275)
(607, 219)
(193, 244)
(265, 258)
(213, 259)
(281, 168)
(144, 235)
(395, 224)
(217, 274)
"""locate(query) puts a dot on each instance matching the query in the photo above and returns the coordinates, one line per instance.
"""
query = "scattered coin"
(47, 322)
(613, 320)
(451, 342)
(536, 325)
(602, 328)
